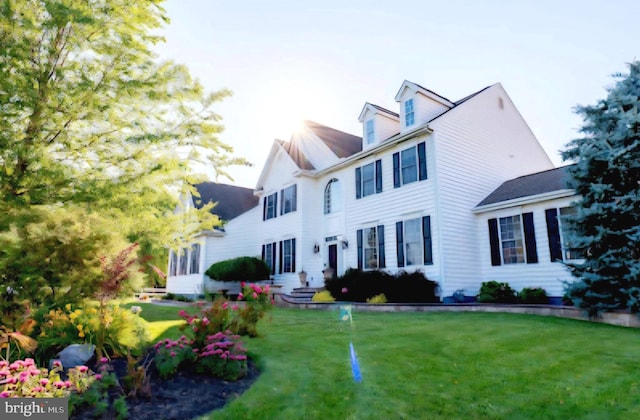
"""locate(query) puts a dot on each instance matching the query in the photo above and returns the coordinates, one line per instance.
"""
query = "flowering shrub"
(381, 298)
(171, 354)
(98, 393)
(257, 302)
(221, 355)
(23, 379)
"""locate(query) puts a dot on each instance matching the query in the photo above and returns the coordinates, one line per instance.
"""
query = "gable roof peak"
(376, 109)
(426, 92)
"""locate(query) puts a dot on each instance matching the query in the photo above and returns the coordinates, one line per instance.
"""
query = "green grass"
(433, 366)
(441, 366)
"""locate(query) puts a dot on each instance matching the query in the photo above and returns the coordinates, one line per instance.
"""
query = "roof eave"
(520, 201)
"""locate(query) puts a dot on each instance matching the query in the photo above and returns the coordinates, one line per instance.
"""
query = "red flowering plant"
(257, 301)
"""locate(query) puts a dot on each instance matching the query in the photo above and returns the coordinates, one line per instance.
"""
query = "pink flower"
(242, 284)
(97, 376)
(225, 305)
(60, 384)
(205, 321)
(240, 296)
(57, 363)
(172, 354)
(182, 313)
(104, 360)
(44, 381)
(344, 290)
(255, 295)
(5, 394)
(82, 369)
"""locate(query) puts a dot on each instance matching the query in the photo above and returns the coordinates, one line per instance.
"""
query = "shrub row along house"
(461, 191)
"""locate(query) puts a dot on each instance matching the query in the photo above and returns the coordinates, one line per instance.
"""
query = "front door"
(333, 258)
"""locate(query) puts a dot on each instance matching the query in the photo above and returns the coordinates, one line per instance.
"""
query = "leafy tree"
(92, 120)
(607, 179)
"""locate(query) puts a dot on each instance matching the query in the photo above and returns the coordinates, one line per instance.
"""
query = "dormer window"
(409, 116)
(369, 133)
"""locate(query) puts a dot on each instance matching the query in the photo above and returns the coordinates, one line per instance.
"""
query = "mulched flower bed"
(185, 396)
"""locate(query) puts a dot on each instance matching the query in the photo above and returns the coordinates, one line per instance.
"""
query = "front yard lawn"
(433, 366)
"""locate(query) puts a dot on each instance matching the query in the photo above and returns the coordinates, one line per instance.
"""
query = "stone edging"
(614, 318)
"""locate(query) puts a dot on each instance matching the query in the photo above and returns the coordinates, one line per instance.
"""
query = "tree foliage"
(607, 179)
(93, 122)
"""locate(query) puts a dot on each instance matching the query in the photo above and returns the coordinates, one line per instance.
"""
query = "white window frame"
(333, 201)
(409, 232)
(289, 196)
(370, 244)
(369, 126)
(409, 113)
(512, 235)
(272, 206)
(287, 256)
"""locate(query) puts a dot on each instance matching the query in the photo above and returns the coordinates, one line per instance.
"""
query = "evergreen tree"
(606, 177)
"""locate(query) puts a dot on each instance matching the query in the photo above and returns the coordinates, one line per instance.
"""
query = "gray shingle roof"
(341, 143)
(232, 200)
(529, 185)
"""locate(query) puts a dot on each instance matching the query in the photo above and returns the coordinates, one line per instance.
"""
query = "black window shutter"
(264, 208)
(494, 242)
(422, 161)
(400, 244)
(263, 253)
(280, 257)
(427, 248)
(358, 183)
(294, 205)
(378, 176)
(275, 204)
(381, 257)
(530, 238)
(553, 233)
(396, 170)
(273, 258)
(360, 251)
(293, 255)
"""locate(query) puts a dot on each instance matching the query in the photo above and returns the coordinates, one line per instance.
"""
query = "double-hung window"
(269, 206)
(269, 256)
(288, 197)
(413, 242)
(369, 179)
(288, 256)
(409, 114)
(371, 253)
(410, 165)
(369, 131)
(512, 240)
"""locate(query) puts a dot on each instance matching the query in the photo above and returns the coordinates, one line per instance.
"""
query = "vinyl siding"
(477, 147)
(546, 274)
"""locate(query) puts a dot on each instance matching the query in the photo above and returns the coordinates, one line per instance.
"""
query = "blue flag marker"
(355, 367)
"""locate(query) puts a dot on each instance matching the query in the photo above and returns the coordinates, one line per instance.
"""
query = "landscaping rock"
(76, 355)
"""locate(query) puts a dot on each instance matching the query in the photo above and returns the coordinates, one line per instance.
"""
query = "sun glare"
(289, 105)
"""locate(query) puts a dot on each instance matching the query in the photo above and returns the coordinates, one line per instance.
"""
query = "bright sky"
(322, 60)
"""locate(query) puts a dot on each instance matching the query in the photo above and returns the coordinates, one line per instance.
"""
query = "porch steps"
(303, 294)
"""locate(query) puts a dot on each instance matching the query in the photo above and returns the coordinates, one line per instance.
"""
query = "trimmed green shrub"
(495, 292)
(358, 286)
(323, 296)
(239, 269)
(533, 295)
(381, 298)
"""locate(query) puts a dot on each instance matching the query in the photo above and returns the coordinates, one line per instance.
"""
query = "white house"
(460, 190)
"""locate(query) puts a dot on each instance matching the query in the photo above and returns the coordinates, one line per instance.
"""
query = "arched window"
(333, 196)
